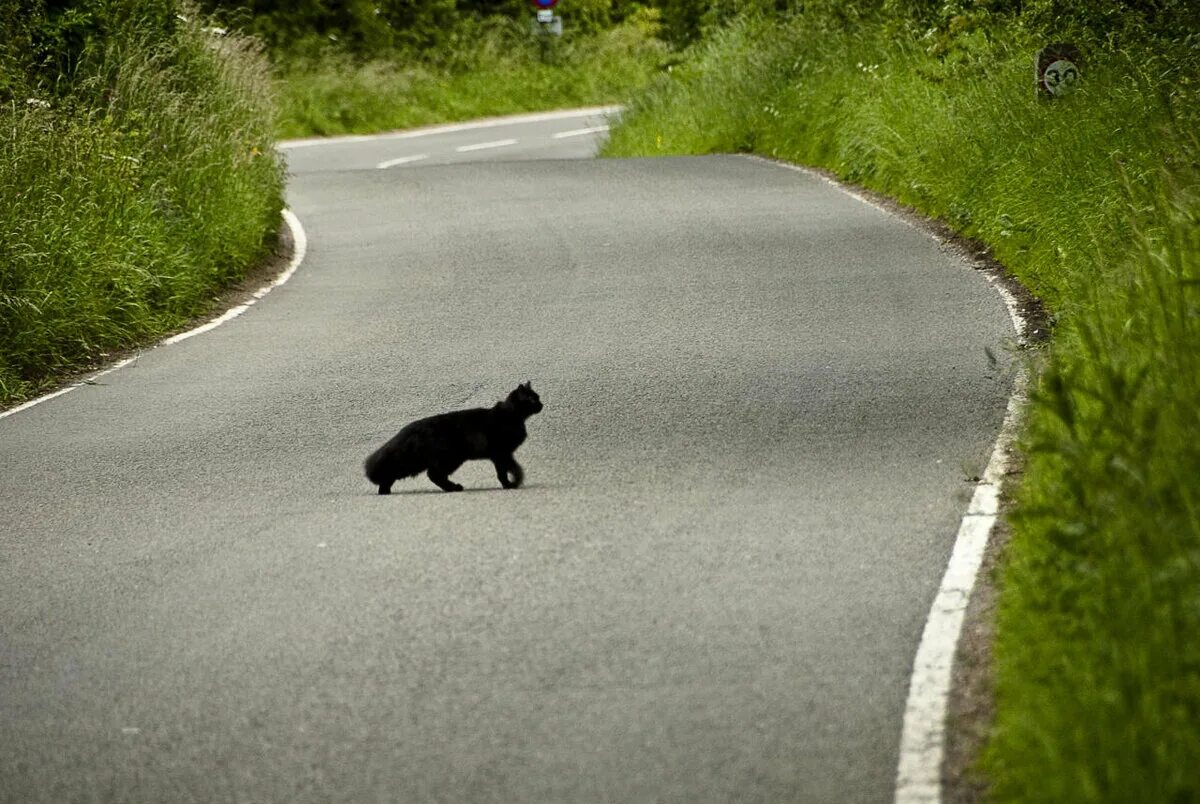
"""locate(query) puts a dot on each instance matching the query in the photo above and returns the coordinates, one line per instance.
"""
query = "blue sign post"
(547, 21)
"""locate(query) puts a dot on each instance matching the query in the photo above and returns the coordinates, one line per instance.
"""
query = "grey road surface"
(764, 400)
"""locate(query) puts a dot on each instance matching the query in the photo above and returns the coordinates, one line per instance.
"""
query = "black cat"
(440, 444)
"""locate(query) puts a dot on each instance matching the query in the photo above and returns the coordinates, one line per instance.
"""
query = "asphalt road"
(764, 400)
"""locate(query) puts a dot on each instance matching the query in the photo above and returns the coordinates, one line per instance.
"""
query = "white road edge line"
(401, 160)
(299, 247)
(579, 132)
(511, 120)
(480, 146)
(923, 735)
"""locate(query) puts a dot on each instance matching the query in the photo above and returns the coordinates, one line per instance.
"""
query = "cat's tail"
(402, 456)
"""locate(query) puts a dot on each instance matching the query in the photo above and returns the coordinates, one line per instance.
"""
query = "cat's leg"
(440, 475)
(509, 471)
(386, 488)
(443, 482)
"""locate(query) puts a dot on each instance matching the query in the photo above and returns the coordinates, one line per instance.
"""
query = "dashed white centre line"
(580, 132)
(402, 160)
(540, 117)
(483, 145)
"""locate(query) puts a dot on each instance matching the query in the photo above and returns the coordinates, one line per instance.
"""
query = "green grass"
(502, 71)
(1092, 202)
(129, 202)
(1097, 650)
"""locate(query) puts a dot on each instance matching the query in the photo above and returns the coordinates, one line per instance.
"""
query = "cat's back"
(446, 429)
(456, 419)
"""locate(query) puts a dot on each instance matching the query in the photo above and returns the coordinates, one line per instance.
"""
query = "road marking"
(480, 146)
(401, 160)
(299, 247)
(923, 735)
(512, 120)
(580, 132)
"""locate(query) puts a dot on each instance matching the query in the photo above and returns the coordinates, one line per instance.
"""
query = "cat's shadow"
(468, 490)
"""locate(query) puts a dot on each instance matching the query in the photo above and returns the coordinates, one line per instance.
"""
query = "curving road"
(764, 400)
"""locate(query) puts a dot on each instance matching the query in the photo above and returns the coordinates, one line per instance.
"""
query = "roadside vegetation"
(504, 71)
(1092, 200)
(137, 178)
(356, 68)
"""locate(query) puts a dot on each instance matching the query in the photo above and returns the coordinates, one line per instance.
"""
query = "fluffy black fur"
(438, 445)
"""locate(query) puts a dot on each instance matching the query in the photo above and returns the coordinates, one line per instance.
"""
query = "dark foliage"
(44, 44)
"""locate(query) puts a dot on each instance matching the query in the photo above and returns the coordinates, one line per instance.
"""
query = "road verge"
(269, 274)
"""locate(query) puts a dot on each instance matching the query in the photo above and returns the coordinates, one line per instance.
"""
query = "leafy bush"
(51, 45)
(410, 30)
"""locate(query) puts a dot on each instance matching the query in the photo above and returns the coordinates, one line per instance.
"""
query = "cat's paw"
(454, 487)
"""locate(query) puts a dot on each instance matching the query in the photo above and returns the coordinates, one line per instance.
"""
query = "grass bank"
(1092, 202)
(501, 69)
(132, 189)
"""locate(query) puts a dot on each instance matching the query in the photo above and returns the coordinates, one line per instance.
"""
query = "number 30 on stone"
(1056, 69)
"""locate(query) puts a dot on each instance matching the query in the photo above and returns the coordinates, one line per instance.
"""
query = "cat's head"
(525, 400)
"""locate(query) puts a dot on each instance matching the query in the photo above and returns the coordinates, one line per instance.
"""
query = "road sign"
(1056, 69)
(544, 3)
(547, 22)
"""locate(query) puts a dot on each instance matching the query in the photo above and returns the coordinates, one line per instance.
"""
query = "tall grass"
(1098, 661)
(500, 70)
(1092, 201)
(126, 203)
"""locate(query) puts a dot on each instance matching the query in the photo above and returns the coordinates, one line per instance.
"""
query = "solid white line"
(923, 735)
(511, 120)
(480, 146)
(580, 132)
(299, 247)
(402, 160)
(40, 400)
